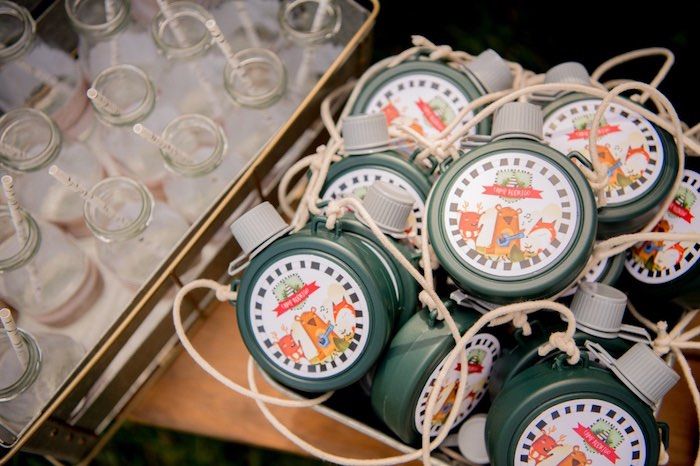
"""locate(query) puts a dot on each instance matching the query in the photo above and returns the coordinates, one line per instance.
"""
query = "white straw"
(103, 102)
(158, 140)
(310, 51)
(70, 183)
(46, 78)
(248, 26)
(21, 231)
(221, 41)
(16, 340)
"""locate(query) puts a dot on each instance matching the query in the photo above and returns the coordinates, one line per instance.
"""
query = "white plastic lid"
(599, 309)
(471, 440)
(258, 227)
(645, 373)
(491, 70)
(363, 133)
(568, 72)
(389, 206)
(518, 119)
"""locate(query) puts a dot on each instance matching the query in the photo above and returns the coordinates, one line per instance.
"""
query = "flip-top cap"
(599, 309)
(518, 119)
(471, 440)
(363, 133)
(570, 72)
(645, 373)
(258, 227)
(491, 70)
(389, 206)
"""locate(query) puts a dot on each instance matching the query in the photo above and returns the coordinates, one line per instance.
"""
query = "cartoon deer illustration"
(543, 445)
(288, 345)
(469, 226)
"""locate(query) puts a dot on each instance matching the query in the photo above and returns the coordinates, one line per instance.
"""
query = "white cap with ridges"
(518, 119)
(569, 72)
(491, 70)
(645, 373)
(471, 440)
(599, 309)
(389, 206)
(365, 133)
(258, 227)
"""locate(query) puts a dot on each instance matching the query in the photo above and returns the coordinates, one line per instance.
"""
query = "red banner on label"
(512, 192)
(680, 211)
(430, 115)
(296, 299)
(586, 133)
(472, 368)
(596, 443)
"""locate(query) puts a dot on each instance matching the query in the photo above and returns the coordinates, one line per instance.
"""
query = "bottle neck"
(122, 210)
(98, 19)
(18, 32)
(200, 140)
(30, 140)
(130, 88)
(16, 252)
(301, 21)
(180, 32)
(13, 385)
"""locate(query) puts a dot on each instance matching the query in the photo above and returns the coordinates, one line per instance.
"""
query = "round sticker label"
(309, 316)
(662, 261)
(425, 102)
(628, 145)
(355, 183)
(582, 432)
(511, 214)
(482, 351)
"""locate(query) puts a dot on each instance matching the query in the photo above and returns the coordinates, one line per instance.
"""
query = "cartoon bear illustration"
(575, 458)
(506, 232)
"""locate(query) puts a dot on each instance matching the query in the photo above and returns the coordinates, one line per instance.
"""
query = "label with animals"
(511, 214)
(582, 432)
(425, 102)
(356, 182)
(309, 316)
(628, 145)
(662, 261)
(482, 351)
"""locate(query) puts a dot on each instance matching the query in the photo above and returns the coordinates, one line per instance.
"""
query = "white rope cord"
(223, 293)
(676, 341)
(634, 55)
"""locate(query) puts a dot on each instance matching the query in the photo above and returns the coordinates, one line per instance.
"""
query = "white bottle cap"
(365, 133)
(389, 206)
(645, 373)
(471, 440)
(258, 227)
(599, 309)
(491, 70)
(570, 72)
(518, 119)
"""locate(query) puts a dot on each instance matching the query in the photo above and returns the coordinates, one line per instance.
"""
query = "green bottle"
(556, 414)
(599, 310)
(640, 157)
(408, 370)
(315, 308)
(513, 219)
(428, 95)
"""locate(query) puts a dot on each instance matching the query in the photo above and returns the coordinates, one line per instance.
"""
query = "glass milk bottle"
(309, 26)
(133, 93)
(35, 74)
(202, 167)
(193, 78)
(44, 275)
(248, 23)
(109, 37)
(136, 233)
(29, 142)
(25, 389)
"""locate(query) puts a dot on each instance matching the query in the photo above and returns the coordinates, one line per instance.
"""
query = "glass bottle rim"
(125, 232)
(28, 249)
(26, 39)
(251, 56)
(304, 36)
(30, 374)
(178, 10)
(207, 165)
(144, 107)
(103, 29)
(45, 156)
